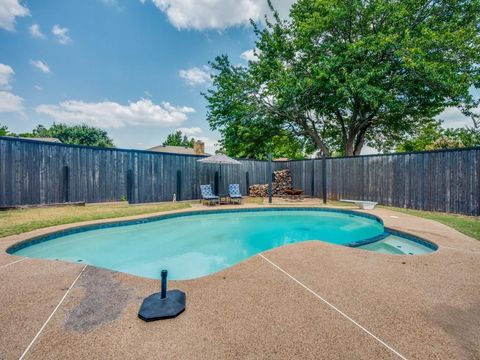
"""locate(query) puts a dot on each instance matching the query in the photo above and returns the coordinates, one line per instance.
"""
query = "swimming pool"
(190, 245)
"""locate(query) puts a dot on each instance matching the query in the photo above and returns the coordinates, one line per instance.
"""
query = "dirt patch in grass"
(341, 203)
(253, 200)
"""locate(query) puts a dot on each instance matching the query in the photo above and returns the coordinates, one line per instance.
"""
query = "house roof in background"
(46, 139)
(175, 150)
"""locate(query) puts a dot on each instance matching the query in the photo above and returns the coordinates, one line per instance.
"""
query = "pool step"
(358, 243)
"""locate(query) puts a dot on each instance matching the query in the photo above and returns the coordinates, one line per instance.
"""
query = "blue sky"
(133, 67)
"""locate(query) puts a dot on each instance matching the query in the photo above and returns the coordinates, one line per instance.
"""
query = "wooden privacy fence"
(33, 172)
(446, 181)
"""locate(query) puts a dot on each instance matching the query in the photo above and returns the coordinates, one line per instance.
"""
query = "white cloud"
(36, 32)
(9, 10)
(113, 3)
(453, 118)
(147, 93)
(190, 131)
(10, 102)
(61, 34)
(38, 87)
(249, 55)
(217, 14)
(40, 65)
(195, 76)
(109, 114)
(6, 73)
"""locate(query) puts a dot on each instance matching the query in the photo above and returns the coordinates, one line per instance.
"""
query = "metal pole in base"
(163, 293)
(163, 305)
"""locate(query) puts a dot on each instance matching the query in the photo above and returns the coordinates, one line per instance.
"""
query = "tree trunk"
(359, 144)
(358, 150)
(355, 141)
(349, 146)
(317, 140)
(354, 144)
(321, 146)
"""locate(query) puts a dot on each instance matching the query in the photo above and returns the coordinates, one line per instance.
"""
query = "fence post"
(65, 184)
(247, 178)
(269, 178)
(324, 178)
(130, 186)
(312, 183)
(179, 185)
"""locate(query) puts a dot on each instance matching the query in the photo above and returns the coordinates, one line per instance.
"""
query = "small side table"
(224, 199)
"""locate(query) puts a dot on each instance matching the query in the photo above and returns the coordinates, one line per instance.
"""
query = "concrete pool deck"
(309, 300)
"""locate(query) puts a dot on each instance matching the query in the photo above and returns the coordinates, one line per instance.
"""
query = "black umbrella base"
(155, 308)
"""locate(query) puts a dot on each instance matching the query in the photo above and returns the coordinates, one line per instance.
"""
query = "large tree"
(345, 73)
(77, 134)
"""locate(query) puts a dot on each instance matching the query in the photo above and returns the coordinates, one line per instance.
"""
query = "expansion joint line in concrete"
(13, 262)
(53, 313)
(335, 308)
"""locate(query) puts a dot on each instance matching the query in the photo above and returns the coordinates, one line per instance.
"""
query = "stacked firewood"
(282, 180)
(259, 190)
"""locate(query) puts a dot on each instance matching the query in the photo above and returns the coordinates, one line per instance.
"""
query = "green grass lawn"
(468, 225)
(18, 221)
(342, 203)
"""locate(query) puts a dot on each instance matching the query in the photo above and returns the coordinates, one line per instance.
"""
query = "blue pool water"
(202, 243)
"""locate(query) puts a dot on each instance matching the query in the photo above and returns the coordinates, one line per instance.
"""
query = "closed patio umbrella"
(220, 159)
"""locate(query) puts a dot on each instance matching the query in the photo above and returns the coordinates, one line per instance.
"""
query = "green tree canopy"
(343, 73)
(247, 132)
(256, 141)
(469, 136)
(434, 137)
(4, 130)
(77, 135)
(178, 139)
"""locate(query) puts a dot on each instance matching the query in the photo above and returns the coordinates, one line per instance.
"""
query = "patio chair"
(234, 192)
(207, 195)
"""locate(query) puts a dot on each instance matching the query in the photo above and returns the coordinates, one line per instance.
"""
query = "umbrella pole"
(220, 180)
